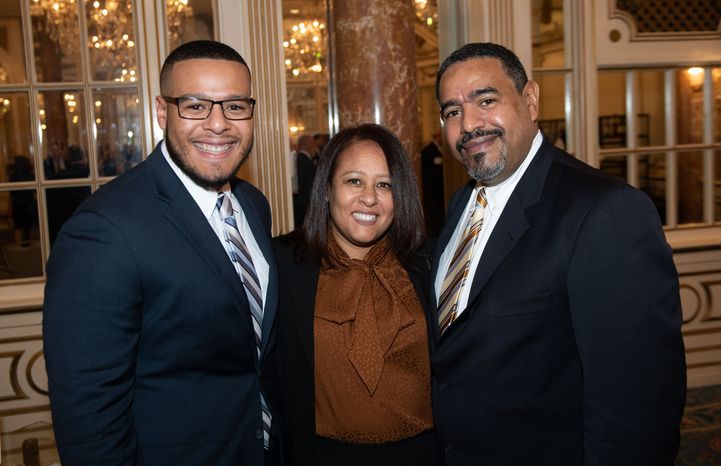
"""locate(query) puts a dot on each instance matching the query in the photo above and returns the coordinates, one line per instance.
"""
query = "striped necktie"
(243, 263)
(458, 267)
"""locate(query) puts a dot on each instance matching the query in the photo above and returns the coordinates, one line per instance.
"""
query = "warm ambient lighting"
(178, 12)
(426, 12)
(695, 77)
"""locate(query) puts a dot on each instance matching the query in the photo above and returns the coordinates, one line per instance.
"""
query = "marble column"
(374, 69)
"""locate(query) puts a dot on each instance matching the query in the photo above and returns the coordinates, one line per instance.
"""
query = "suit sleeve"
(91, 327)
(624, 299)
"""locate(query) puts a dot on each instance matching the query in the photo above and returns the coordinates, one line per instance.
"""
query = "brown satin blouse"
(372, 369)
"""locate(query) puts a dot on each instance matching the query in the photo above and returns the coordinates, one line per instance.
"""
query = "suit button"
(258, 434)
(442, 387)
(448, 447)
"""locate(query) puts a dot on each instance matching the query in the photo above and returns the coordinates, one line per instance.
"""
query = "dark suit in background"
(305, 172)
(569, 350)
(432, 176)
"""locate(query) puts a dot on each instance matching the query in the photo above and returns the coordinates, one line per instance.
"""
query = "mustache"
(477, 133)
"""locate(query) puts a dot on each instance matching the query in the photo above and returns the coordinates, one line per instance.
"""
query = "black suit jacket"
(298, 278)
(149, 343)
(305, 172)
(570, 349)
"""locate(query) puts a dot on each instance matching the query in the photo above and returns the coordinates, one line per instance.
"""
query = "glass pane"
(188, 20)
(651, 120)
(21, 255)
(689, 106)
(61, 203)
(56, 40)
(547, 32)
(63, 134)
(305, 46)
(652, 180)
(23, 210)
(611, 109)
(307, 108)
(690, 187)
(15, 138)
(717, 103)
(12, 62)
(615, 165)
(117, 126)
(111, 39)
(552, 117)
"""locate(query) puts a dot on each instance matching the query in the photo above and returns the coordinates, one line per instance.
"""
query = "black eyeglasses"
(192, 108)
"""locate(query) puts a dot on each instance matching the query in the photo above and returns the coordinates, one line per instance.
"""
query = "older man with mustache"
(555, 333)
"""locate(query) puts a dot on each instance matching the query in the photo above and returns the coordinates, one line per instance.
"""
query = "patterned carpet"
(701, 428)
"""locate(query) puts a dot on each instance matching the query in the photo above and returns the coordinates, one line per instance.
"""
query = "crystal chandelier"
(110, 28)
(304, 48)
(110, 33)
(59, 19)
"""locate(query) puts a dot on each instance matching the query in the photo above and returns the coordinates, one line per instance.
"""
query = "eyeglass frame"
(176, 101)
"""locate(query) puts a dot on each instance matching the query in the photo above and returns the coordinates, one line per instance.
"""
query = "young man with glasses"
(161, 291)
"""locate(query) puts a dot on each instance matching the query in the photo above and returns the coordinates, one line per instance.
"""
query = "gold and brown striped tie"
(460, 262)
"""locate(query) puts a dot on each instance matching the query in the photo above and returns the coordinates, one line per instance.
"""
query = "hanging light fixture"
(304, 48)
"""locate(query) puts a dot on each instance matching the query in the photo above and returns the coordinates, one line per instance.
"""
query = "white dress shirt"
(497, 197)
(206, 200)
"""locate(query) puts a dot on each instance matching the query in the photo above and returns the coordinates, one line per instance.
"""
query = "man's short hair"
(199, 49)
(510, 62)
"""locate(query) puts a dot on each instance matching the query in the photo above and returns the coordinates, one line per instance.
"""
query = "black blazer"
(298, 278)
(570, 350)
(149, 343)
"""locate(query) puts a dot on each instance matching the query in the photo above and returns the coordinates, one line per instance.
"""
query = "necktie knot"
(481, 197)
(224, 206)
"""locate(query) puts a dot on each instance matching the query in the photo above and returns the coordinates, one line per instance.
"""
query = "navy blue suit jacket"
(570, 349)
(149, 343)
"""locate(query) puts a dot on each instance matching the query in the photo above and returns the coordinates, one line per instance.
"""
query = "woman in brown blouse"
(353, 341)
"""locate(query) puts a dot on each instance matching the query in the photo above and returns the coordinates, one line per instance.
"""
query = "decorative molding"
(625, 12)
(700, 285)
(270, 161)
(12, 377)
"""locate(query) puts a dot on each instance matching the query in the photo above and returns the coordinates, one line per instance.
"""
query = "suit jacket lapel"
(185, 215)
(508, 230)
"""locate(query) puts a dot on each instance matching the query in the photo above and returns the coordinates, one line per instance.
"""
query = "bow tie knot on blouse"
(369, 299)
